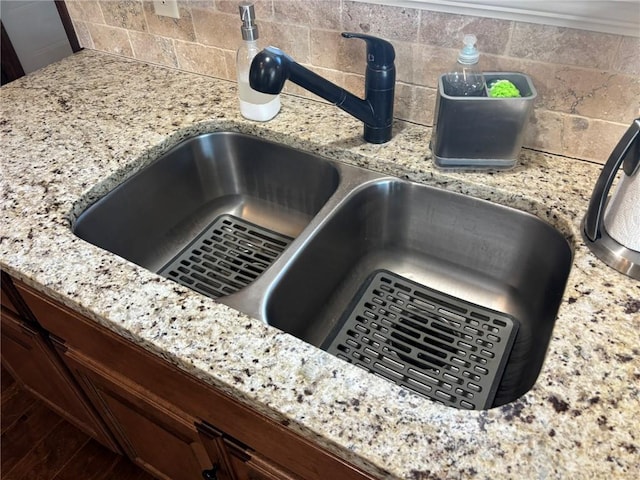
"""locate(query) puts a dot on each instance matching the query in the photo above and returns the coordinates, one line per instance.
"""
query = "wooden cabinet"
(28, 356)
(154, 434)
(171, 423)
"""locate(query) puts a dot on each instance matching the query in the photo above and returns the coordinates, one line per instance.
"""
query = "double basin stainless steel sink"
(450, 296)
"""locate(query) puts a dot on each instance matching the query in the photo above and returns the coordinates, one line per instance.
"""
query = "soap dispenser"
(253, 105)
(465, 78)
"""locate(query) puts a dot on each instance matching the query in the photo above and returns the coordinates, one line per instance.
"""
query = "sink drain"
(226, 257)
(438, 346)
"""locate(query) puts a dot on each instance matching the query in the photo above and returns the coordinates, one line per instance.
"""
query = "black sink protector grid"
(436, 345)
(226, 257)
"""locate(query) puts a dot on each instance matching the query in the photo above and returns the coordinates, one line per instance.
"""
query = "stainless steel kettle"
(611, 226)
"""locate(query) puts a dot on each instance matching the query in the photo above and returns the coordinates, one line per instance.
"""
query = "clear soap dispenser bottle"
(465, 79)
(253, 105)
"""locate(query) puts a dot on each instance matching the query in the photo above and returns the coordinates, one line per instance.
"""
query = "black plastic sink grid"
(443, 348)
(226, 257)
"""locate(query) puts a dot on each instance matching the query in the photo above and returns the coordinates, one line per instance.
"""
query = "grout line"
(507, 47)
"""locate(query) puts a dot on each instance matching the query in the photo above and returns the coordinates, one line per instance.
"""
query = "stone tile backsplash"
(588, 83)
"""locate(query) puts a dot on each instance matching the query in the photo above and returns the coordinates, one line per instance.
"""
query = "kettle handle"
(626, 153)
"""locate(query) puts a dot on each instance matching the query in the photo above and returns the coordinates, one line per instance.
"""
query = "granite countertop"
(75, 129)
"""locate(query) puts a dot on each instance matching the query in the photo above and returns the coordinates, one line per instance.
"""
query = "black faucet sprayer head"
(271, 68)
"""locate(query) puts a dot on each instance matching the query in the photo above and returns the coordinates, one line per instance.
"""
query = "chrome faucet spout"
(271, 68)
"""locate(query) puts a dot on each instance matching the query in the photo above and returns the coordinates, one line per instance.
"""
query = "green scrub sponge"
(503, 89)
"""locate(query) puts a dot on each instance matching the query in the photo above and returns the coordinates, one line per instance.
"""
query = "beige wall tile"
(178, 28)
(544, 131)
(87, 10)
(333, 76)
(612, 97)
(447, 30)
(415, 63)
(414, 103)
(153, 49)
(596, 94)
(215, 28)
(263, 8)
(627, 59)
(292, 39)
(325, 14)
(354, 84)
(230, 61)
(110, 39)
(331, 50)
(406, 66)
(590, 139)
(422, 64)
(203, 4)
(391, 23)
(83, 34)
(193, 57)
(568, 46)
(124, 14)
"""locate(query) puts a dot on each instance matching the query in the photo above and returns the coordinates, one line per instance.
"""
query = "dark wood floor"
(37, 444)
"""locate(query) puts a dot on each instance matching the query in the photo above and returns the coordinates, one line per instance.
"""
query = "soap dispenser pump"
(465, 79)
(253, 105)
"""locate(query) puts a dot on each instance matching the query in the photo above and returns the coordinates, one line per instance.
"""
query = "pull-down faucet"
(272, 67)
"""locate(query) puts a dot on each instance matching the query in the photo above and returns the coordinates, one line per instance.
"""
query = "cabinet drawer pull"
(211, 474)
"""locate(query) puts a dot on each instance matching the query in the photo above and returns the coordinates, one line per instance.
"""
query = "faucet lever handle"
(380, 53)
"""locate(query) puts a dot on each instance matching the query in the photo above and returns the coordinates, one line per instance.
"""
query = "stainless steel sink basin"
(452, 297)
(155, 214)
(424, 279)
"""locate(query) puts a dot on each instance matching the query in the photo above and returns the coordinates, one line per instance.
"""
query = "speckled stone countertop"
(74, 130)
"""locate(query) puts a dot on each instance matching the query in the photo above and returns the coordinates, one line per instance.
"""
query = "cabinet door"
(33, 362)
(154, 434)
